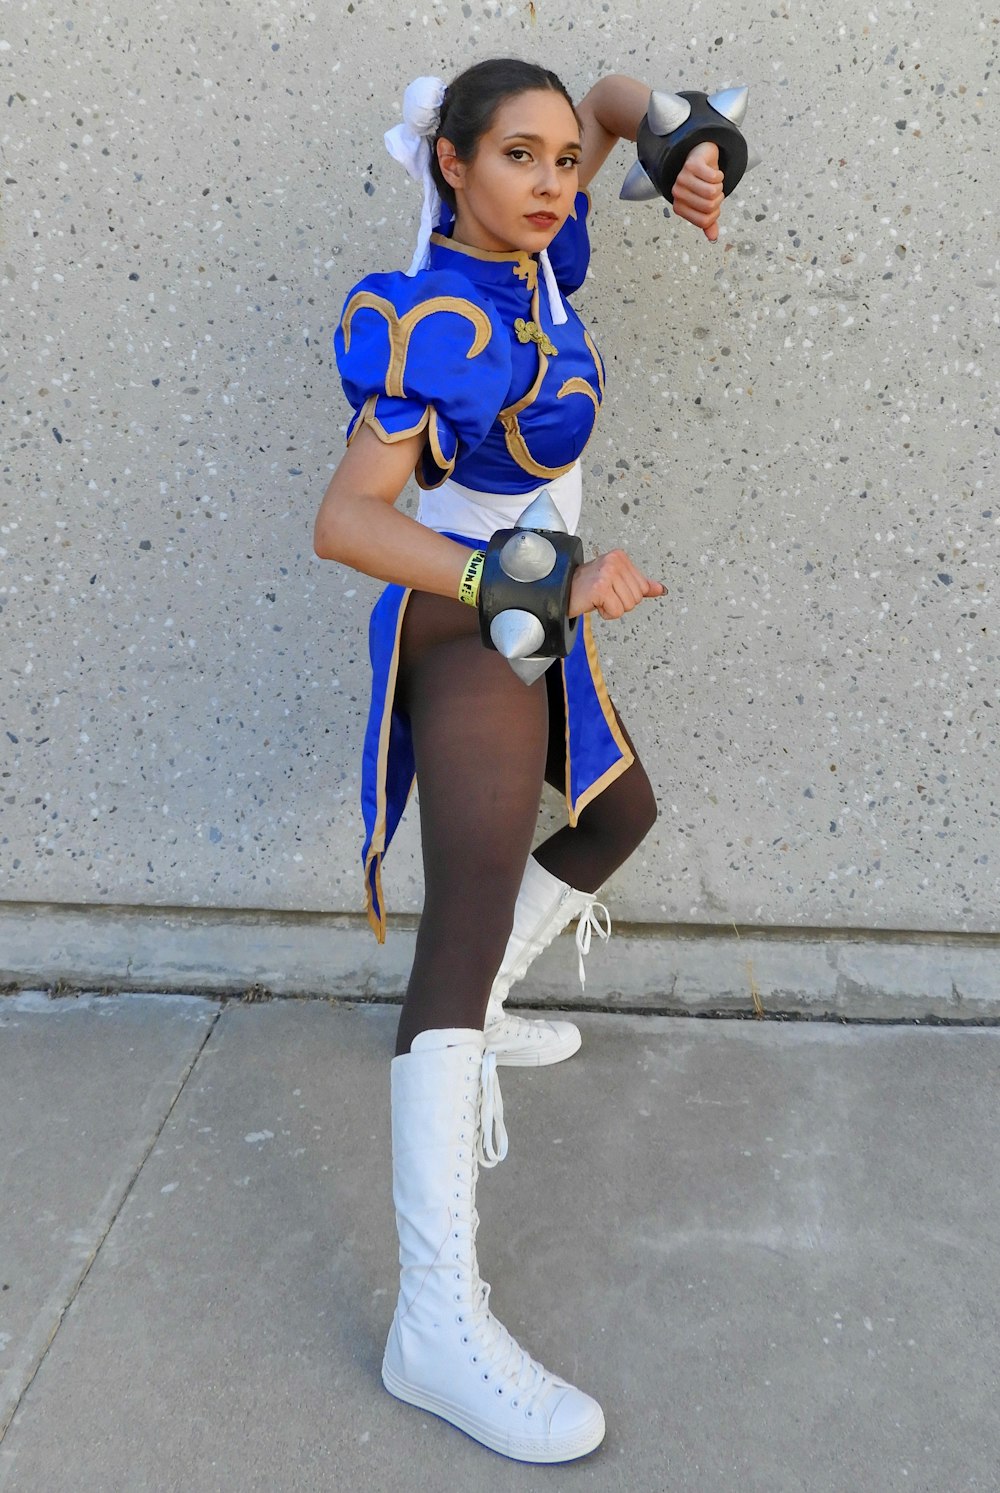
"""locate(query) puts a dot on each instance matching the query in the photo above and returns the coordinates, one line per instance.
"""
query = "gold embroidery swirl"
(401, 328)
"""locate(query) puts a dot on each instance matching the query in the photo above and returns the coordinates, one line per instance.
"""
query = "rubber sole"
(519, 1448)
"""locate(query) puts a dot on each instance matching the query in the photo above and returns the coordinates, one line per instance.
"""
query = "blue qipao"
(467, 350)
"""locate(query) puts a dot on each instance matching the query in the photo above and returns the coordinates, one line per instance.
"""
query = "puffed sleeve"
(569, 251)
(419, 352)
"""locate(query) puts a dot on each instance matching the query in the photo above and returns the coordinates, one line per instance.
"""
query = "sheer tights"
(483, 744)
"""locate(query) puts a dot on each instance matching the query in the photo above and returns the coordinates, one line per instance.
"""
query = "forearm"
(359, 526)
(618, 104)
(382, 542)
(610, 112)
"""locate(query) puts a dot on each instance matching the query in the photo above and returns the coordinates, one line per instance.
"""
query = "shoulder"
(569, 251)
(427, 350)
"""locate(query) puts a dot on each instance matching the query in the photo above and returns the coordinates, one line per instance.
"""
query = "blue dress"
(467, 351)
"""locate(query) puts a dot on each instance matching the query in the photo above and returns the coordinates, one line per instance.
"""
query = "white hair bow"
(409, 144)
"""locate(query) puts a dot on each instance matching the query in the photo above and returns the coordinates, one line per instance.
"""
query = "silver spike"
(516, 634)
(637, 186)
(542, 514)
(754, 159)
(528, 556)
(530, 669)
(667, 112)
(731, 103)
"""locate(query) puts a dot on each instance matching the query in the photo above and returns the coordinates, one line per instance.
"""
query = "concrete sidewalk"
(771, 1250)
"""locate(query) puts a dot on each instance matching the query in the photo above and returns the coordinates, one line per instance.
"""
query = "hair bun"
(422, 106)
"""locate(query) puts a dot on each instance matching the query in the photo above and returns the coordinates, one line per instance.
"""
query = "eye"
(569, 162)
(519, 154)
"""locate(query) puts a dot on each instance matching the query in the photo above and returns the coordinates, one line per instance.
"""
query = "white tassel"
(556, 308)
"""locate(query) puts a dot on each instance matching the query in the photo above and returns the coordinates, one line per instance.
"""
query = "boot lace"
(589, 924)
(491, 1139)
(498, 1355)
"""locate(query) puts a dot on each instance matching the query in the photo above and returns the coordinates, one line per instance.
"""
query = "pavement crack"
(45, 1329)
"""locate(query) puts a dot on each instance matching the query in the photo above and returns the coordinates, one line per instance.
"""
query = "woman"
(472, 372)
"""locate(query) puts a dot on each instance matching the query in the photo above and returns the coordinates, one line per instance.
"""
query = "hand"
(697, 191)
(611, 585)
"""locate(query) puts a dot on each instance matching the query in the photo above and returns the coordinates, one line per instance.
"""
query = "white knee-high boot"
(446, 1352)
(544, 907)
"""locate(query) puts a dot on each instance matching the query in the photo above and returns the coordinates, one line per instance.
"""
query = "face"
(518, 189)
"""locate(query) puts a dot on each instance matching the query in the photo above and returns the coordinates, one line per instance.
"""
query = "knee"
(644, 811)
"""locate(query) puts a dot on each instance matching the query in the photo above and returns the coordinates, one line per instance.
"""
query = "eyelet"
(500, 1390)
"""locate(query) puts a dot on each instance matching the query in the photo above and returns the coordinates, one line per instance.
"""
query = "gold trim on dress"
(367, 416)
(401, 328)
(521, 263)
(597, 361)
(627, 758)
(517, 446)
(579, 386)
(376, 849)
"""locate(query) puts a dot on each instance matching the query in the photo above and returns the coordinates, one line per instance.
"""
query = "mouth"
(542, 220)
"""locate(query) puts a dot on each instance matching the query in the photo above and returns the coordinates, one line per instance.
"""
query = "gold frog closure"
(530, 331)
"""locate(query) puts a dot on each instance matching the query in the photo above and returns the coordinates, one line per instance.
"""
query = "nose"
(547, 179)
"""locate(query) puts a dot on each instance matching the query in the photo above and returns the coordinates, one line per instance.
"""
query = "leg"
(480, 741)
(558, 885)
(609, 828)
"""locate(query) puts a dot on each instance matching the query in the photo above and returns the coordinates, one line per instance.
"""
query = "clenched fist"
(611, 585)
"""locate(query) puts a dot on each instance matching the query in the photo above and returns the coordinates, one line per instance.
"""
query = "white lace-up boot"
(446, 1351)
(544, 907)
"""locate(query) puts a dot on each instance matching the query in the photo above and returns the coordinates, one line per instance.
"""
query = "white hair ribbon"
(556, 308)
(409, 144)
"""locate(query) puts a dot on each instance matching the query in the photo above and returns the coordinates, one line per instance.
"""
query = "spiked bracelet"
(673, 125)
(525, 589)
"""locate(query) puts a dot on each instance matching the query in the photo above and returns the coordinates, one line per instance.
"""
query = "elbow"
(329, 536)
(323, 541)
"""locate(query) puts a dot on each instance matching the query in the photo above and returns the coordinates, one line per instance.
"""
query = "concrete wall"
(800, 437)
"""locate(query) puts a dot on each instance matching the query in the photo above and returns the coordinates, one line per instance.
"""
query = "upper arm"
(370, 471)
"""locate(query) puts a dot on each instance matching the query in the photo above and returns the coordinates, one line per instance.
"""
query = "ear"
(452, 169)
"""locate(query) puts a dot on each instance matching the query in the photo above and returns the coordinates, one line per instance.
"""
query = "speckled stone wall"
(800, 437)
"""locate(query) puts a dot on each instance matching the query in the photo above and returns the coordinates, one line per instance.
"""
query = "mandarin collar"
(517, 269)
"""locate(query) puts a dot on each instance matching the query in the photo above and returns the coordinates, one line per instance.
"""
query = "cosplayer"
(473, 371)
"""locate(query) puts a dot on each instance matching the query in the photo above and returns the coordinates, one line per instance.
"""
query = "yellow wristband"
(468, 589)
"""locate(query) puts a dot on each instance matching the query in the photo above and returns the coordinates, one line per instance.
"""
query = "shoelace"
(505, 1356)
(492, 1136)
(589, 924)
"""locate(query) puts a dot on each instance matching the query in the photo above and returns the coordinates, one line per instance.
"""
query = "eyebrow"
(537, 140)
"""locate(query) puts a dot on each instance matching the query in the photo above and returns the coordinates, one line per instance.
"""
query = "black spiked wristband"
(524, 594)
(671, 128)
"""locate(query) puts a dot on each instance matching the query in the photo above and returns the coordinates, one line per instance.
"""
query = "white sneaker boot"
(544, 906)
(446, 1352)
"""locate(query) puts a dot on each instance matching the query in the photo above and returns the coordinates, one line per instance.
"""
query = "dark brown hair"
(472, 100)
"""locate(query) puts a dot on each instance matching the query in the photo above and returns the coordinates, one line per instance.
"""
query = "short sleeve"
(569, 251)
(419, 352)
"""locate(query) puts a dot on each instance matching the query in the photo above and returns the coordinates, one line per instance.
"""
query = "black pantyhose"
(482, 745)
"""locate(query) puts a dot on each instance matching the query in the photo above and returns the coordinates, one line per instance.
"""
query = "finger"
(699, 189)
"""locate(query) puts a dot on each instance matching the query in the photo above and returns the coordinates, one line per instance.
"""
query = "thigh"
(480, 737)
